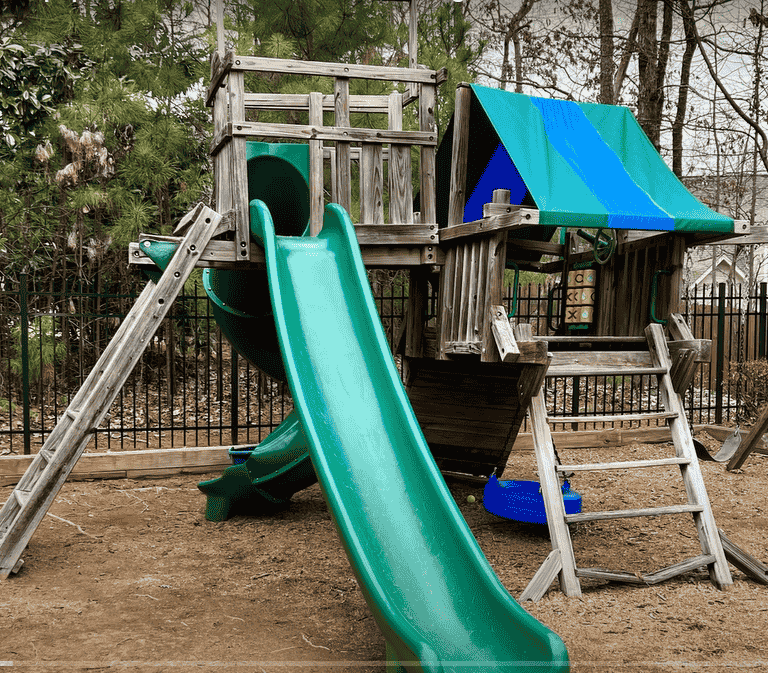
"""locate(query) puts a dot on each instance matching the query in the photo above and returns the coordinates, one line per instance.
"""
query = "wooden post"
(457, 198)
(237, 174)
(371, 184)
(316, 200)
(343, 172)
(459, 153)
(221, 46)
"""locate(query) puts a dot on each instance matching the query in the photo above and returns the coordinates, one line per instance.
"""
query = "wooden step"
(624, 465)
(631, 513)
(614, 418)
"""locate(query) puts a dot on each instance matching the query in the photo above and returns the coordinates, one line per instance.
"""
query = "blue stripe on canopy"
(598, 167)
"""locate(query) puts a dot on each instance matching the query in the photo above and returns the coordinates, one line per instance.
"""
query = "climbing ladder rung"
(631, 513)
(614, 418)
(624, 465)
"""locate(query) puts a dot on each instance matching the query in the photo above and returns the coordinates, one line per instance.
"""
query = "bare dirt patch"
(146, 584)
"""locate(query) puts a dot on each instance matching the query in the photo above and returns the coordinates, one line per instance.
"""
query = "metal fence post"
(761, 319)
(720, 363)
(24, 342)
(235, 389)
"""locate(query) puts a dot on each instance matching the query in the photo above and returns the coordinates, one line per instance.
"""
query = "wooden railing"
(369, 147)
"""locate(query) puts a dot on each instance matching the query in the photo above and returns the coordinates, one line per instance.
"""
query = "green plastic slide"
(276, 469)
(431, 590)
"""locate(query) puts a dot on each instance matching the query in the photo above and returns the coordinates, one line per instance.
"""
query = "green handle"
(654, 291)
(513, 308)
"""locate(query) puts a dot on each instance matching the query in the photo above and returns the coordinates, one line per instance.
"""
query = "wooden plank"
(445, 303)
(343, 168)
(461, 296)
(750, 441)
(477, 277)
(427, 169)
(503, 335)
(601, 359)
(678, 328)
(678, 569)
(521, 217)
(372, 185)
(702, 348)
(744, 561)
(544, 247)
(316, 172)
(623, 465)
(231, 61)
(400, 180)
(611, 576)
(553, 501)
(237, 174)
(632, 513)
(606, 370)
(614, 418)
(396, 234)
(543, 578)
(683, 369)
(364, 104)
(115, 465)
(339, 133)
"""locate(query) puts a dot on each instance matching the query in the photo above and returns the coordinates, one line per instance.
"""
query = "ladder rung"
(608, 370)
(625, 465)
(46, 455)
(614, 418)
(630, 513)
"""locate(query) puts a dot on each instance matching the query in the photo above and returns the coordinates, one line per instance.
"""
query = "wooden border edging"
(130, 464)
(166, 462)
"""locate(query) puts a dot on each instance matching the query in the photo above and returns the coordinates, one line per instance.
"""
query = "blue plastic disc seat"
(523, 500)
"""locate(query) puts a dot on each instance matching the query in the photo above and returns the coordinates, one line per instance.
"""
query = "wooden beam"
(231, 61)
(364, 104)
(750, 441)
(316, 172)
(130, 464)
(339, 134)
(520, 217)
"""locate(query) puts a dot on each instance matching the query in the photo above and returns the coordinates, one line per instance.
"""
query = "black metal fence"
(191, 389)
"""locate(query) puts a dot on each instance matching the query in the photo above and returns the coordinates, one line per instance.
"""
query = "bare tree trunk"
(683, 89)
(647, 66)
(606, 53)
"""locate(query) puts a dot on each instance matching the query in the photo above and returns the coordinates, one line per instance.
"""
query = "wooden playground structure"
(470, 375)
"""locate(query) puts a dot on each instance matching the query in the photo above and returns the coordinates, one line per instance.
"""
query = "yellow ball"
(470, 498)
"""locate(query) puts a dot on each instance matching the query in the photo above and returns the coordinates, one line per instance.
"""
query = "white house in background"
(736, 196)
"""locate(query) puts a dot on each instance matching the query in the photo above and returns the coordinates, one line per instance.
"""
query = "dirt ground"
(128, 574)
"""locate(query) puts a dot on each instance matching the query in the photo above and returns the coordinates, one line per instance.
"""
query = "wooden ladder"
(561, 561)
(33, 495)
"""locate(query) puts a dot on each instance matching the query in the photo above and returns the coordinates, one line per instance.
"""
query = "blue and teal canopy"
(580, 164)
